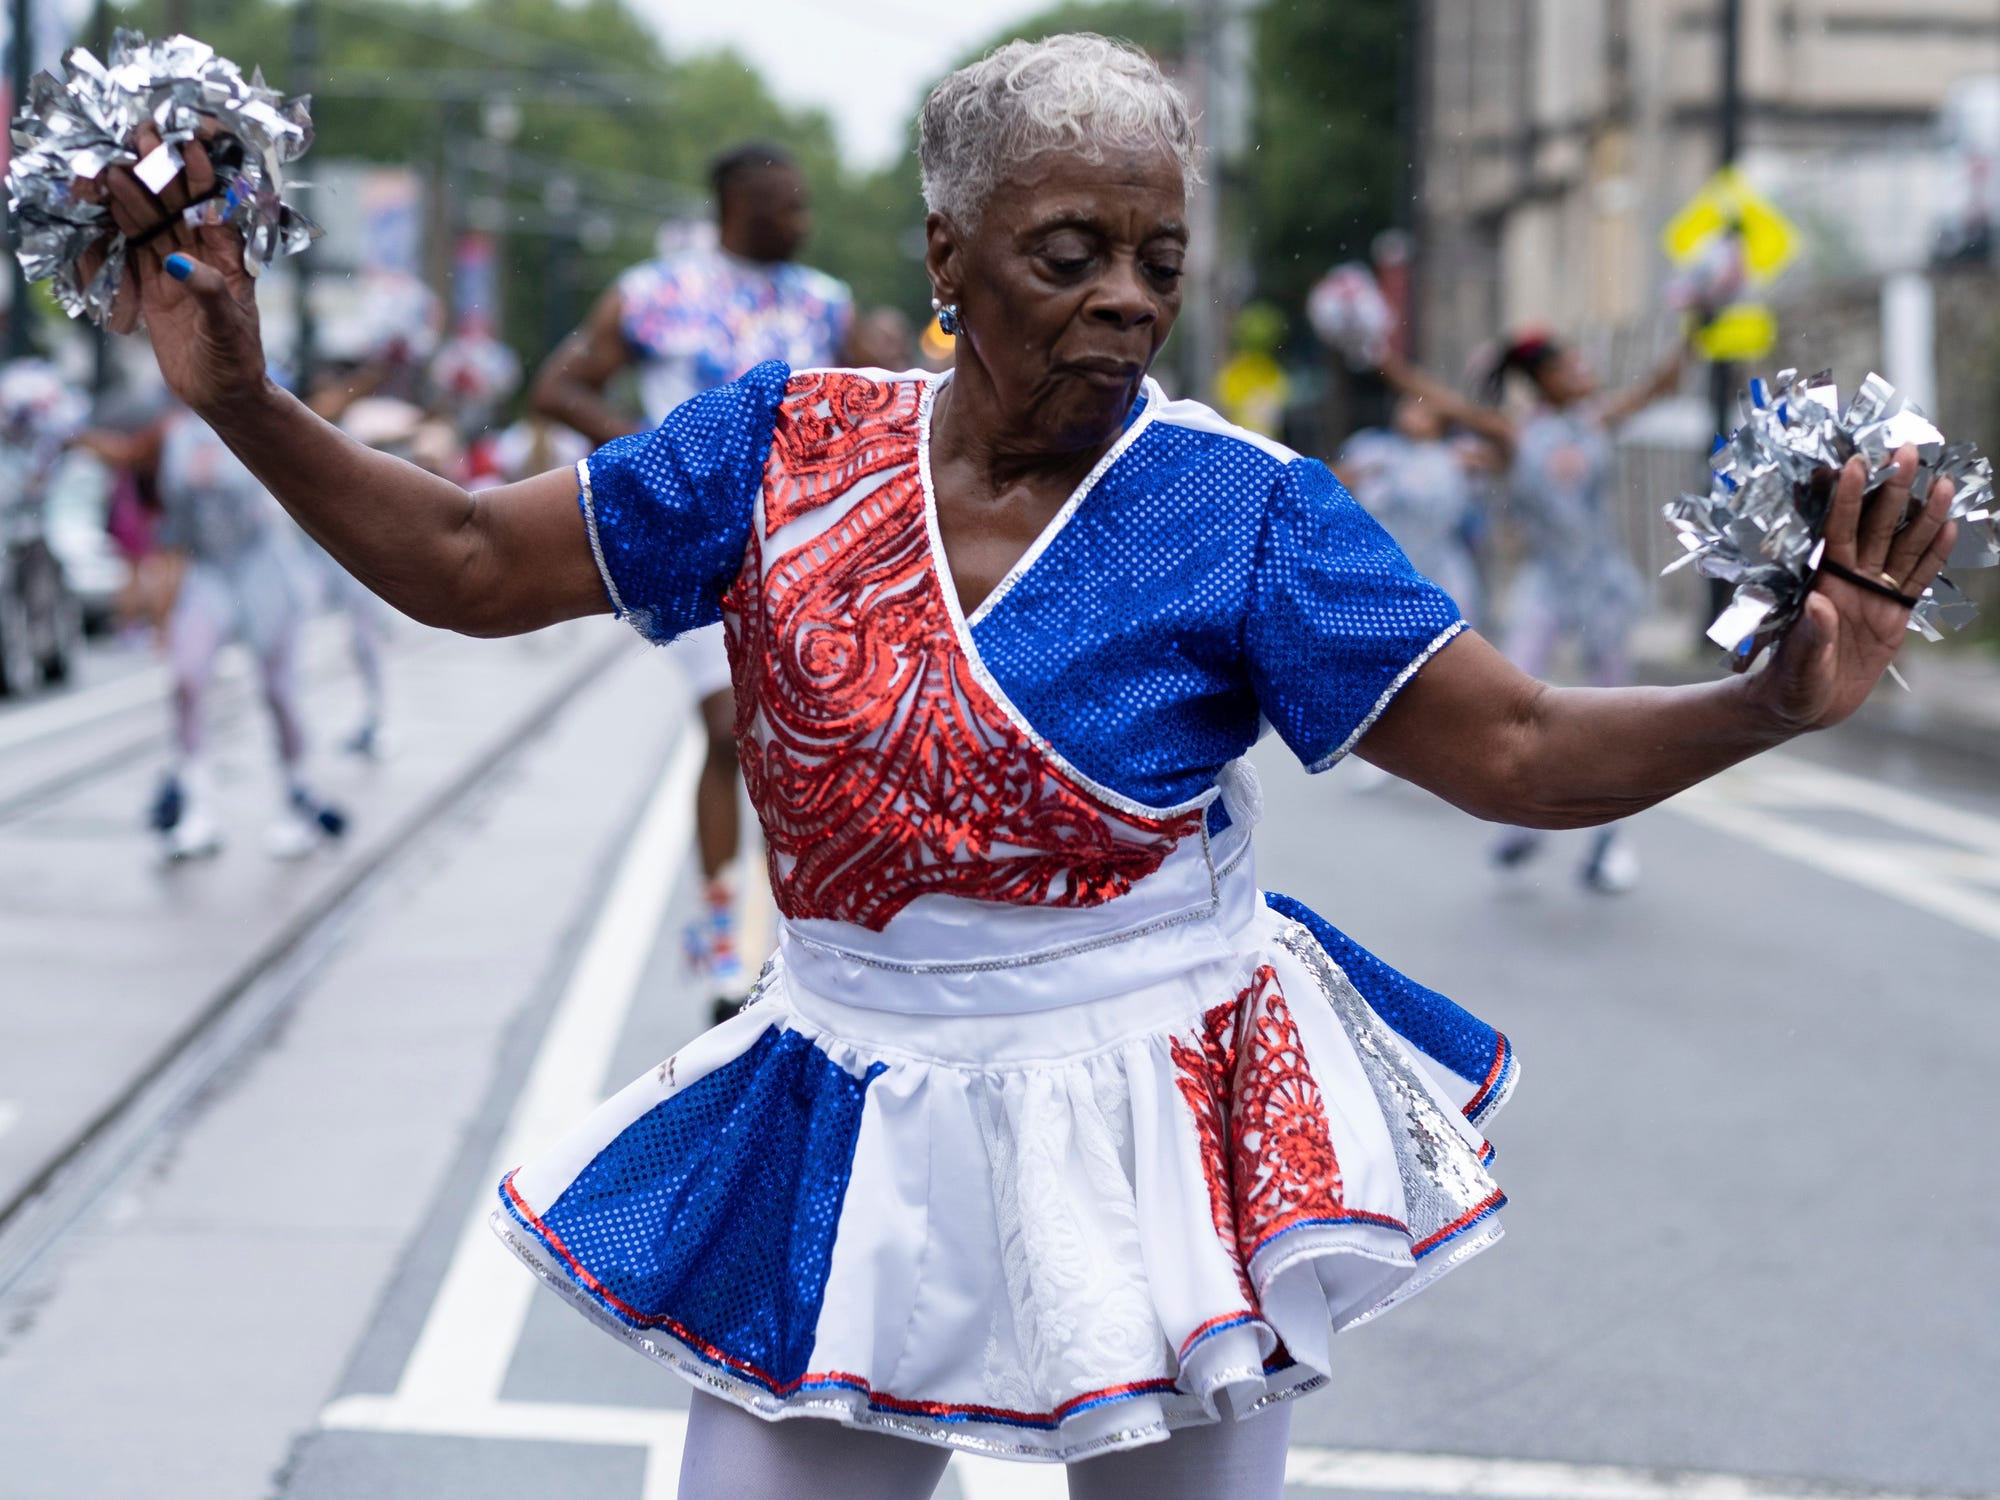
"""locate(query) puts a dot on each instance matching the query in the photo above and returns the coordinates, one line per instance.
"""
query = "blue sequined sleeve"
(669, 510)
(1338, 618)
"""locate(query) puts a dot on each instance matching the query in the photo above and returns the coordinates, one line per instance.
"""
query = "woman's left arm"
(1663, 382)
(1488, 738)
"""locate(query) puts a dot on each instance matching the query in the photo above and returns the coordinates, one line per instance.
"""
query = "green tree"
(1322, 176)
(1326, 171)
(613, 134)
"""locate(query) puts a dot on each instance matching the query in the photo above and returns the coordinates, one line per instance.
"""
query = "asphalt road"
(1753, 1238)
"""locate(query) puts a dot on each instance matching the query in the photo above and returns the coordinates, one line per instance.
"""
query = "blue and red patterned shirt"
(699, 318)
(1203, 584)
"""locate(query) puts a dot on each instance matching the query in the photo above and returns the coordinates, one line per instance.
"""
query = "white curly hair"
(1078, 92)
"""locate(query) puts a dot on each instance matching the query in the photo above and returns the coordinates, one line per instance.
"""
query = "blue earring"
(947, 316)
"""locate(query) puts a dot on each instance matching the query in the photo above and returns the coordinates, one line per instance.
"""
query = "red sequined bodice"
(881, 768)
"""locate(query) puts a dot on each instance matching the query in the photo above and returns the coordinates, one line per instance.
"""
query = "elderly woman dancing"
(1050, 1134)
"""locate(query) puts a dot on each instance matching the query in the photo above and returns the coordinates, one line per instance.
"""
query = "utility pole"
(305, 67)
(19, 309)
(1220, 43)
(1202, 310)
(100, 338)
(1729, 145)
(1412, 102)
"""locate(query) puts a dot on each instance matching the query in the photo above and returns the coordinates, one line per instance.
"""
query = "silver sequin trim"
(1388, 693)
(852, 1409)
(1203, 913)
(1443, 1178)
(597, 546)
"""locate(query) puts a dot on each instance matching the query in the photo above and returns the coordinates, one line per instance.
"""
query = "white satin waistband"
(944, 955)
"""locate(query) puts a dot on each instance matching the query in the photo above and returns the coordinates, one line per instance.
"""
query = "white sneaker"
(1516, 847)
(291, 837)
(1613, 866)
(195, 835)
(180, 816)
(302, 827)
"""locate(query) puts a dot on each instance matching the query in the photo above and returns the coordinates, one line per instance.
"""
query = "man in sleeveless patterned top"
(686, 322)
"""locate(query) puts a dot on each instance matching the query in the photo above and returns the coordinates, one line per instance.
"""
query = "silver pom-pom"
(1352, 317)
(1761, 524)
(74, 129)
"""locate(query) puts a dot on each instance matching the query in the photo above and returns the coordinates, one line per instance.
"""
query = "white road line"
(521, 1421)
(9, 1113)
(461, 1356)
(1930, 882)
(1788, 780)
(1524, 1479)
(663, 1434)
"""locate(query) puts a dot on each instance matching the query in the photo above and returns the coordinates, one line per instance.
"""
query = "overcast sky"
(865, 62)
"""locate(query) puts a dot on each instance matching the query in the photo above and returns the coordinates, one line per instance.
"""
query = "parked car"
(41, 620)
(75, 509)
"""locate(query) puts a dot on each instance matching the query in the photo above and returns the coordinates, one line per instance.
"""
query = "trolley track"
(70, 1180)
(63, 739)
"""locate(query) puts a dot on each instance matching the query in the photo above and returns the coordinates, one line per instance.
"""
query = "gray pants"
(253, 599)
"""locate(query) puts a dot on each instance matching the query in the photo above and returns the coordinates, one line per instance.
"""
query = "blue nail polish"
(179, 267)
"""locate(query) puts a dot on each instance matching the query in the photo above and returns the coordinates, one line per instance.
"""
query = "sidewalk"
(1953, 702)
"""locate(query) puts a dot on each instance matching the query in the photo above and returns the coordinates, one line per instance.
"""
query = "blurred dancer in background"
(1417, 480)
(345, 396)
(238, 581)
(1576, 582)
(684, 323)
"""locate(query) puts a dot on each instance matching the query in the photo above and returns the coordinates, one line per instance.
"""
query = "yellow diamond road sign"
(1741, 333)
(1728, 200)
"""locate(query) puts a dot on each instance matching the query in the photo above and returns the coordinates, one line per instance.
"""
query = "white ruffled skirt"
(1038, 1235)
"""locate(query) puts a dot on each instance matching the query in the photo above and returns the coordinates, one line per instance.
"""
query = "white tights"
(732, 1455)
(209, 613)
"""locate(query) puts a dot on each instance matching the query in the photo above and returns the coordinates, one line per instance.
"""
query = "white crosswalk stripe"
(1330, 1470)
(1823, 819)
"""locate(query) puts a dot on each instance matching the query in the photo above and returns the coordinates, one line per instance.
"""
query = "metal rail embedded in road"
(36, 1218)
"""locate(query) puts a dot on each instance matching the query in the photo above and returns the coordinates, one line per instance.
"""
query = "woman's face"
(1067, 288)
(1417, 420)
(1567, 378)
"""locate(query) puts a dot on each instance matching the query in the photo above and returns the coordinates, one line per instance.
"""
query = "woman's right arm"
(1488, 422)
(501, 562)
